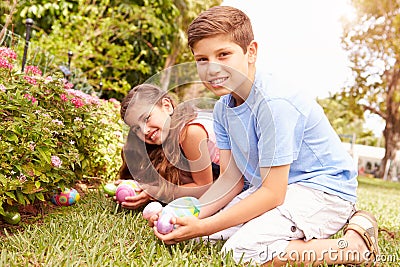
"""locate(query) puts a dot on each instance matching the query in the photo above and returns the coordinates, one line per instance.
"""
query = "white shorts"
(305, 214)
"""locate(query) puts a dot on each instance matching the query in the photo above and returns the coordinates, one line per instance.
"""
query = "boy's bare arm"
(225, 188)
(270, 195)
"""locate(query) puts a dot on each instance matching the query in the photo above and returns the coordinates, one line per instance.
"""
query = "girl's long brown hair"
(147, 162)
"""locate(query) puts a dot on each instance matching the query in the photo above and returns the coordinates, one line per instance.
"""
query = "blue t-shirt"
(272, 128)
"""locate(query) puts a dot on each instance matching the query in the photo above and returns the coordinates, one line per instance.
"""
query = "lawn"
(93, 233)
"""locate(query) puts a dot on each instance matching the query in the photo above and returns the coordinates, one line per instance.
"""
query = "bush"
(51, 135)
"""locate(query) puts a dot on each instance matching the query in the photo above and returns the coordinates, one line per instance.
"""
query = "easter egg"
(181, 207)
(12, 217)
(66, 197)
(151, 209)
(164, 225)
(110, 189)
(126, 189)
(184, 206)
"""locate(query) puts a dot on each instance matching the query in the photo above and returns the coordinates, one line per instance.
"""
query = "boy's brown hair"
(224, 20)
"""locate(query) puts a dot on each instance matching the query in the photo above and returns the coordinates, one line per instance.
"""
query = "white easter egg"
(151, 209)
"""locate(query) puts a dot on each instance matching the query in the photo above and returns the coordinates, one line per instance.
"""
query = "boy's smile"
(223, 66)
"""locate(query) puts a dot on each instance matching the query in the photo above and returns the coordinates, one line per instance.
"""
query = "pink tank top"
(205, 121)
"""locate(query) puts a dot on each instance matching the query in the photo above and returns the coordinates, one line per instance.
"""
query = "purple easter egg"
(123, 191)
(164, 225)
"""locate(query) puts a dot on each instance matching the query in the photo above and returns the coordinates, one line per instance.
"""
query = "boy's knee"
(242, 251)
(251, 251)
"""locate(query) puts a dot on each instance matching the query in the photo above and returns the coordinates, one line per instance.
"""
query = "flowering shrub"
(51, 135)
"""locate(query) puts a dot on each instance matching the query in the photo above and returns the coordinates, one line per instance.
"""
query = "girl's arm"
(194, 146)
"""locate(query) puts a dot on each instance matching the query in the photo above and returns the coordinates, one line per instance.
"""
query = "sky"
(300, 41)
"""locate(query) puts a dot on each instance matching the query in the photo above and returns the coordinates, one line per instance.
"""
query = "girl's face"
(151, 123)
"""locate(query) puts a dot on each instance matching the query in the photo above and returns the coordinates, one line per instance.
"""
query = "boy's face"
(223, 67)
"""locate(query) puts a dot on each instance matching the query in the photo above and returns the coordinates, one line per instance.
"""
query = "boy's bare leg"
(358, 245)
(349, 249)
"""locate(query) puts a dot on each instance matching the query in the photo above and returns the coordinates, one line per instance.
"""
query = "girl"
(170, 150)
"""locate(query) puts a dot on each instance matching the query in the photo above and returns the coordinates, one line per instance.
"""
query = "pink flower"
(68, 85)
(5, 64)
(33, 70)
(48, 79)
(58, 122)
(64, 97)
(87, 98)
(30, 80)
(56, 161)
(77, 102)
(29, 97)
(7, 53)
(21, 177)
(115, 102)
(2, 88)
(32, 146)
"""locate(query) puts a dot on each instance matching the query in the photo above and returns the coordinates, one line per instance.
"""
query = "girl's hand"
(188, 228)
(136, 201)
(116, 183)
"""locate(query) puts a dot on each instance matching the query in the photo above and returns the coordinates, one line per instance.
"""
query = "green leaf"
(44, 178)
(40, 196)
(44, 155)
(11, 195)
(20, 197)
(12, 137)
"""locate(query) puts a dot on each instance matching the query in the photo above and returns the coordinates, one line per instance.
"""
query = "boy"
(303, 182)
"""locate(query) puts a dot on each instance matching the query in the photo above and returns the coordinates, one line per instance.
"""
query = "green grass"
(382, 198)
(91, 233)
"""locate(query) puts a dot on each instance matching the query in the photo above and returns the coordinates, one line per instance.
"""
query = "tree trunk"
(392, 137)
(9, 19)
(392, 128)
(169, 62)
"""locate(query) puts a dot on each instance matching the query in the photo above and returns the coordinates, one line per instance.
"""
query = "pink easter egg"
(151, 209)
(123, 191)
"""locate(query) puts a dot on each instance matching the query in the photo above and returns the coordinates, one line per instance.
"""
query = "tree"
(189, 9)
(372, 41)
(347, 121)
(122, 42)
(11, 9)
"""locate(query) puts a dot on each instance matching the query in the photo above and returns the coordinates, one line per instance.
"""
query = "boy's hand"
(153, 219)
(188, 228)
